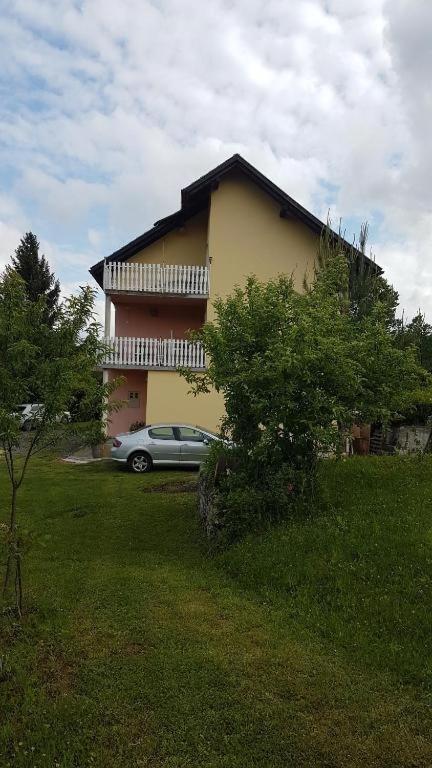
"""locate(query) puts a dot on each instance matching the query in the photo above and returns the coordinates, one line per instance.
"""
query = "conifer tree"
(38, 278)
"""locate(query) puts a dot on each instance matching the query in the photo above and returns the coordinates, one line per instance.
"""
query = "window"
(162, 433)
(191, 435)
(133, 398)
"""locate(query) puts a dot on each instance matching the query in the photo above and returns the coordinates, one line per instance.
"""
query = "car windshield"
(20, 409)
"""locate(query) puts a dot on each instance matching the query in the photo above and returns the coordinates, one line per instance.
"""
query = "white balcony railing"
(156, 278)
(135, 352)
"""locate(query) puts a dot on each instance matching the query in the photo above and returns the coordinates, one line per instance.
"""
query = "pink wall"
(135, 381)
(157, 320)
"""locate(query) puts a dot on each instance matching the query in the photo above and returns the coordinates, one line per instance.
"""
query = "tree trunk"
(13, 564)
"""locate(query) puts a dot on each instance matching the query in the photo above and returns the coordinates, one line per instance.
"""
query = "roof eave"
(195, 196)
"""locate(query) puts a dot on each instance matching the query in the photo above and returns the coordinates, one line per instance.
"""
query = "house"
(233, 222)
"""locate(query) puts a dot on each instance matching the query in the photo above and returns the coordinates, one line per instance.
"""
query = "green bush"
(249, 491)
(297, 371)
(136, 426)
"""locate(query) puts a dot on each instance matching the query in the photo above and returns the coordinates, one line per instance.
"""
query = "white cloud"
(9, 239)
(111, 107)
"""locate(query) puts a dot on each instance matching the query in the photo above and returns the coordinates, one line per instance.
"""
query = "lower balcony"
(151, 354)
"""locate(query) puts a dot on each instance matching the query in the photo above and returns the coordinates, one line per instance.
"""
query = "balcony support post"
(107, 316)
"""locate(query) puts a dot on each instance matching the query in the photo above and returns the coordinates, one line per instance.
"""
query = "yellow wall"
(245, 236)
(168, 400)
(187, 245)
(248, 236)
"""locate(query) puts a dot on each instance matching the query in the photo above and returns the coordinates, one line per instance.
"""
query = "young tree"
(294, 369)
(54, 360)
(39, 280)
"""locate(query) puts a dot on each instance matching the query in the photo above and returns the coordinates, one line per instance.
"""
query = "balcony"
(168, 279)
(147, 353)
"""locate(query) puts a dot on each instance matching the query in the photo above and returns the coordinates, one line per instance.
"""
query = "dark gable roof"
(195, 198)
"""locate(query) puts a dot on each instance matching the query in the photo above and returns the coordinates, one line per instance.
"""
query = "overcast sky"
(108, 108)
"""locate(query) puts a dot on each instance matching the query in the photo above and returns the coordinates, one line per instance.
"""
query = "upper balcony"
(166, 279)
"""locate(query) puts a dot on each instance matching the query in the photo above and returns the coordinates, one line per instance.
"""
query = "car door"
(36, 411)
(194, 445)
(163, 445)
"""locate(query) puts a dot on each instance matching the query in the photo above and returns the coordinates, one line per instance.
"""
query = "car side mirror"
(206, 442)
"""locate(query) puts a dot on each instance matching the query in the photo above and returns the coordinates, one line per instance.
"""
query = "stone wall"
(207, 505)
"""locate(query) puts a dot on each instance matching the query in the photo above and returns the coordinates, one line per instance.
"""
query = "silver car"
(164, 445)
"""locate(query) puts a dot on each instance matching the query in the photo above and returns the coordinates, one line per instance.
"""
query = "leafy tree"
(366, 286)
(39, 280)
(419, 334)
(54, 360)
(297, 371)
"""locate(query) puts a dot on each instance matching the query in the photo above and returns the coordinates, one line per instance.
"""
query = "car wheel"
(140, 462)
(27, 425)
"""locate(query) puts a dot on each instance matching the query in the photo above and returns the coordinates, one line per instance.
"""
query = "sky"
(108, 108)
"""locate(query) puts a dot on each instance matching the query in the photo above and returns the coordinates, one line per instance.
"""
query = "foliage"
(309, 645)
(417, 333)
(297, 371)
(136, 426)
(95, 433)
(80, 409)
(366, 286)
(53, 360)
(247, 489)
(39, 280)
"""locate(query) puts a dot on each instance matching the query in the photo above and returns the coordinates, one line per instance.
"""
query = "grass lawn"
(308, 646)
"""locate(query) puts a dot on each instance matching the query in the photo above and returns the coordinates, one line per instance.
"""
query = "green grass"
(308, 646)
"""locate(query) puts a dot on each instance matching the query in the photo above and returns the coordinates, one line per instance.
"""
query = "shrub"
(297, 371)
(136, 426)
(240, 492)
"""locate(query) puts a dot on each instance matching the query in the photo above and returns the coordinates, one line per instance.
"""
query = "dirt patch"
(57, 673)
(133, 649)
(186, 486)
